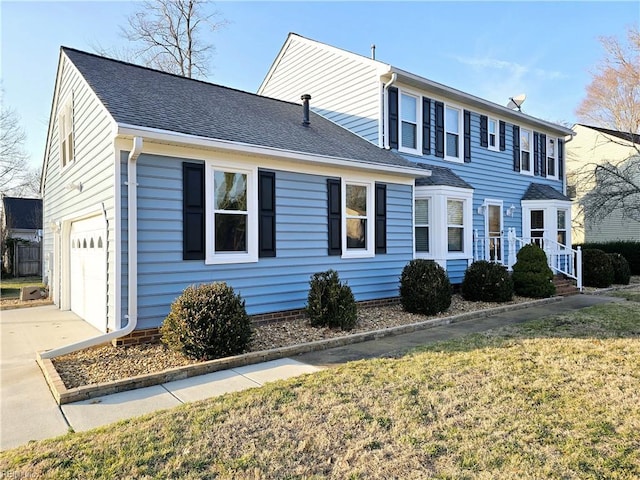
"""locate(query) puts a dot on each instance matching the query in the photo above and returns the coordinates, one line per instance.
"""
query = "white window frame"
(369, 251)
(460, 133)
(554, 157)
(565, 229)
(495, 147)
(522, 150)
(438, 232)
(418, 122)
(251, 255)
(429, 225)
(66, 140)
(550, 208)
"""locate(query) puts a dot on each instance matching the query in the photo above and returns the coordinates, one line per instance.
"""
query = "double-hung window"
(232, 224)
(453, 118)
(492, 134)
(551, 157)
(65, 126)
(358, 226)
(562, 226)
(525, 151)
(537, 227)
(455, 225)
(408, 121)
(421, 222)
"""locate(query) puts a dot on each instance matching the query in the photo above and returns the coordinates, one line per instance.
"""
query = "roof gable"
(626, 136)
(142, 97)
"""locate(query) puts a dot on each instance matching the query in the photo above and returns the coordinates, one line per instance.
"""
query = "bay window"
(421, 222)
(455, 225)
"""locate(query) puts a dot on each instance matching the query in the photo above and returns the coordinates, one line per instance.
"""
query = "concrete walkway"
(28, 410)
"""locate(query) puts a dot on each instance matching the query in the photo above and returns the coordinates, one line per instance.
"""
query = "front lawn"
(554, 398)
(10, 287)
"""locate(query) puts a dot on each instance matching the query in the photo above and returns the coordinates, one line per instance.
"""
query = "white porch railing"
(562, 259)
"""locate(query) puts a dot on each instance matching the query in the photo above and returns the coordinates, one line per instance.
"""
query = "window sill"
(454, 159)
(366, 254)
(230, 259)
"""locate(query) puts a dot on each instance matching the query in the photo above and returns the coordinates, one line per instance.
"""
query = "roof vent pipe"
(305, 109)
(373, 51)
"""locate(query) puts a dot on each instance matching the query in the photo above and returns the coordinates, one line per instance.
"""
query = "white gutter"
(165, 136)
(132, 183)
(384, 140)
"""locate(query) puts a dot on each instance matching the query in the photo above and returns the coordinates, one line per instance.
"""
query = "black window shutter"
(393, 117)
(439, 129)
(516, 148)
(426, 126)
(543, 155)
(381, 218)
(484, 131)
(560, 158)
(266, 214)
(536, 153)
(467, 136)
(503, 136)
(193, 211)
(334, 201)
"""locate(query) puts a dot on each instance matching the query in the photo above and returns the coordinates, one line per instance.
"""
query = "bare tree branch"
(168, 35)
(16, 178)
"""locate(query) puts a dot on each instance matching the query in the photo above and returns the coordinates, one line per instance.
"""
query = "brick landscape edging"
(65, 395)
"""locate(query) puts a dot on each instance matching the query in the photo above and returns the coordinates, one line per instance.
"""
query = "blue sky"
(490, 49)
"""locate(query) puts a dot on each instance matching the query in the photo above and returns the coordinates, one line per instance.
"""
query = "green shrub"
(621, 270)
(424, 287)
(206, 322)
(331, 303)
(487, 282)
(532, 276)
(628, 249)
(597, 270)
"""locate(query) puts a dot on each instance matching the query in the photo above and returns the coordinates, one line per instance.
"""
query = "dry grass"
(555, 398)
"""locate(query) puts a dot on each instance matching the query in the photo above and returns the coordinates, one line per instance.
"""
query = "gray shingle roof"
(143, 97)
(441, 176)
(23, 213)
(539, 191)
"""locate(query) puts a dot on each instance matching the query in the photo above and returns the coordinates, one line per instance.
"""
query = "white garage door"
(88, 271)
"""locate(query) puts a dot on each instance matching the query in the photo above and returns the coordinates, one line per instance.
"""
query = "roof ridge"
(174, 75)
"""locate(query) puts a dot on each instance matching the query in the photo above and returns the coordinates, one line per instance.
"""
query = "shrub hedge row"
(628, 249)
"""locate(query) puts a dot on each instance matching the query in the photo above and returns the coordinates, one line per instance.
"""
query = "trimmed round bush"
(424, 287)
(532, 276)
(206, 322)
(487, 282)
(621, 269)
(597, 270)
(331, 303)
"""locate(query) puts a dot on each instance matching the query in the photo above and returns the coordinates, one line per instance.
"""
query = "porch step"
(565, 286)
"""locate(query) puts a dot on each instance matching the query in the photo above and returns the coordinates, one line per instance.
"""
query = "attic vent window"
(65, 126)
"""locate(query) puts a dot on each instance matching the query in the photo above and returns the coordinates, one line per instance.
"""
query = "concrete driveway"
(27, 408)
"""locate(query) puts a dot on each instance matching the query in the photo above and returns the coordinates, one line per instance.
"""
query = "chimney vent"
(305, 109)
(373, 51)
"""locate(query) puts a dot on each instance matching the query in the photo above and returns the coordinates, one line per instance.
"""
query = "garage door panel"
(88, 270)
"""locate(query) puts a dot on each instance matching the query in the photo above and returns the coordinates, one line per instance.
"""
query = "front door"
(494, 232)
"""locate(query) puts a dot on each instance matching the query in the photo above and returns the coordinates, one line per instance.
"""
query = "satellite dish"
(516, 102)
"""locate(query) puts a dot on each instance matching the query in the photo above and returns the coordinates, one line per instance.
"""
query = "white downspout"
(132, 192)
(384, 101)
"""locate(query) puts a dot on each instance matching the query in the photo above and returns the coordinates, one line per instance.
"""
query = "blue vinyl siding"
(491, 175)
(271, 284)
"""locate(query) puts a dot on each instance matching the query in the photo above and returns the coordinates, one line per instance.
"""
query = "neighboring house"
(21, 221)
(21, 218)
(152, 182)
(593, 146)
(500, 173)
